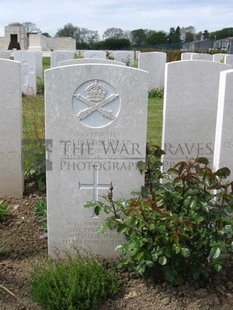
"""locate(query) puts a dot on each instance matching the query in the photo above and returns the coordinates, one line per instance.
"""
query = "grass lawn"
(33, 119)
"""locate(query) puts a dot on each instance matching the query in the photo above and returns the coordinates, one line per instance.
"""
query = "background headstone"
(190, 110)
(229, 60)
(154, 63)
(125, 56)
(187, 56)
(202, 56)
(223, 149)
(95, 54)
(28, 62)
(5, 54)
(220, 57)
(96, 120)
(90, 60)
(58, 56)
(11, 176)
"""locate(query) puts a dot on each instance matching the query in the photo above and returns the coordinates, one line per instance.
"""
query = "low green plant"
(72, 283)
(4, 211)
(40, 210)
(180, 228)
(40, 86)
(156, 93)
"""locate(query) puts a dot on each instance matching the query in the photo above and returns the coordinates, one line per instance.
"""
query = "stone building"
(16, 38)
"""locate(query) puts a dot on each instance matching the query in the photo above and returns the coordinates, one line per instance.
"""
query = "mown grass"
(33, 119)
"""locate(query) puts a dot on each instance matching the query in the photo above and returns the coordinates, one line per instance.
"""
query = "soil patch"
(136, 293)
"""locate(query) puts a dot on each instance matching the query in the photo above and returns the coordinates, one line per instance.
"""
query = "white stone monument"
(95, 54)
(96, 120)
(154, 63)
(190, 110)
(229, 60)
(187, 56)
(220, 57)
(223, 149)
(89, 61)
(11, 176)
(28, 62)
(125, 56)
(58, 56)
(5, 54)
(202, 56)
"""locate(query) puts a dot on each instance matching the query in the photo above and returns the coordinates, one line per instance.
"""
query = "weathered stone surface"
(11, 176)
(96, 120)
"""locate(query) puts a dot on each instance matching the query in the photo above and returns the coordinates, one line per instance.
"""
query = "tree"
(205, 34)
(31, 28)
(46, 34)
(138, 37)
(156, 37)
(189, 37)
(116, 33)
(69, 30)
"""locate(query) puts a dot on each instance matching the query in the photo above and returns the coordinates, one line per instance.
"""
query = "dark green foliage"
(34, 165)
(156, 93)
(180, 227)
(73, 283)
(40, 86)
(4, 211)
(40, 209)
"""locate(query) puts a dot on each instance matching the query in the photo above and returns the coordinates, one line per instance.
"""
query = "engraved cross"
(95, 186)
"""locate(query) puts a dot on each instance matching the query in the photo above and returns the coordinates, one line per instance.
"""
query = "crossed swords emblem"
(99, 106)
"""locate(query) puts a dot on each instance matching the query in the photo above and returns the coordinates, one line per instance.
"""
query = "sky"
(50, 15)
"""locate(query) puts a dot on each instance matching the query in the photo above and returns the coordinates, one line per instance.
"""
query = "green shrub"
(180, 228)
(4, 211)
(73, 283)
(40, 210)
(156, 93)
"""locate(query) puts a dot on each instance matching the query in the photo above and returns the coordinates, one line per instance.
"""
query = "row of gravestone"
(96, 121)
(153, 62)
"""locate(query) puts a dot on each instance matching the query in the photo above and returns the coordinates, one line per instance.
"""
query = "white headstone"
(11, 176)
(28, 62)
(39, 64)
(95, 54)
(187, 56)
(154, 63)
(58, 56)
(89, 61)
(229, 60)
(219, 57)
(190, 110)
(96, 119)
(5, 54)
(223, 149)
(202, 56)
(125, 56)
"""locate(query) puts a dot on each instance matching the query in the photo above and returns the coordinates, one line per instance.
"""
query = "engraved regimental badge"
(96, 103)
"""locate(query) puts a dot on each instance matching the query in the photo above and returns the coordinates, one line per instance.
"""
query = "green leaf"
(223, 172)
(215, 253)
(176, 248)
(162, 260)
(142, 166)
(202, 160)
(227, 229)
(185, 252)
(149, 263)
(97, 210)
(90, 204)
